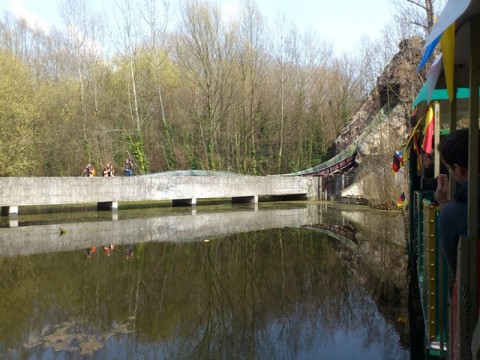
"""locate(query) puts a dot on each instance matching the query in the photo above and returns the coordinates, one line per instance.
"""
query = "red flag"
(429, 124)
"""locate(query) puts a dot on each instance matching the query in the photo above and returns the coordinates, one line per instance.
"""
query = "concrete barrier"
(108, 192)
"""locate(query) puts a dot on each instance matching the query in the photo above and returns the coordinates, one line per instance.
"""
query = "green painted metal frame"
(434, 292)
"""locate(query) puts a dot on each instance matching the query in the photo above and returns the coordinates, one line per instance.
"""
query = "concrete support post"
(184, 202)
(107, 205)
(245, 199)
(9, 210)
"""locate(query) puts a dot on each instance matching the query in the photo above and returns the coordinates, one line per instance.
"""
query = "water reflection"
(264, 284)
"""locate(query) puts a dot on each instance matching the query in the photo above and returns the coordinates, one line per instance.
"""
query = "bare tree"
(417, 15)
(284, 54)
(157, 19)
(252, 67)
(129, 40)
(204, 52)
(80, 29)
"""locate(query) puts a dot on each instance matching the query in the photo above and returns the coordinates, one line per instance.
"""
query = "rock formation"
(388, 107)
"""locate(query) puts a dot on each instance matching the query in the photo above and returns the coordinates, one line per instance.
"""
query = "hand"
(441, 194)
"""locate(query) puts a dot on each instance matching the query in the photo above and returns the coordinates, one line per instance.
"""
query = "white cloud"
(230, 9)
(18, 9)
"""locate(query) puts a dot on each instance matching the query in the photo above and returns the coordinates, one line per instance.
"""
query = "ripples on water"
(278, 282)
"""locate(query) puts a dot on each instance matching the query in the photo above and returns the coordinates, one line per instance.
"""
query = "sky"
(343, 23)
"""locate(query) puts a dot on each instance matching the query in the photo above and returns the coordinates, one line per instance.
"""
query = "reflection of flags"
(397, 162)
(429, 124)
(401, 200)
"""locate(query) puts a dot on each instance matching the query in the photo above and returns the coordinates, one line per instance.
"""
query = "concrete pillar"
(9, 210)
(245, 199)
(107, 205)
(184, 202)
(319, 187)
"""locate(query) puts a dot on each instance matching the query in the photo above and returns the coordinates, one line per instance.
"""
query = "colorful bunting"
(413, 141)
(447, 43)
(428, 52)
(432, 76)
(429, 127)
(451, 12)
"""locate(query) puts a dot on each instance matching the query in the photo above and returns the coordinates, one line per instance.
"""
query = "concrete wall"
(357, 189)
(24, 191)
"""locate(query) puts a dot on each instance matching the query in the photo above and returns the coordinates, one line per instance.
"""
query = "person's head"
(453, 150)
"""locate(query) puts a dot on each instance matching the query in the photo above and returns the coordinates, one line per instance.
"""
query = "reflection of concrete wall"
(357, 217)
(373, 225)
(24, 191)
(46, 238)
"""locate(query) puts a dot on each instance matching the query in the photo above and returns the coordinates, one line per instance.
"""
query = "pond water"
(271, 281)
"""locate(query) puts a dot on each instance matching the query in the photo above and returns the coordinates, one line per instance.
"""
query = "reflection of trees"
(252, 295)
(380, 262)
(242, 288)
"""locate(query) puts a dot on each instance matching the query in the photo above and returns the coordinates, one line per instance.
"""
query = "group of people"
(453, 218)
(108, 170)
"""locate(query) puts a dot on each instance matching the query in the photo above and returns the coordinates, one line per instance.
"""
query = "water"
(277, 281)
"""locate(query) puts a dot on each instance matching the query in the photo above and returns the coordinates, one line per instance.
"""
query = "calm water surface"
(277, 281)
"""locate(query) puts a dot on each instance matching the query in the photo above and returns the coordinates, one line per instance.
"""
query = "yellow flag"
(447, 43)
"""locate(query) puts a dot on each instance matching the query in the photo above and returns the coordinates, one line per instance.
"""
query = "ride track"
(345, 160)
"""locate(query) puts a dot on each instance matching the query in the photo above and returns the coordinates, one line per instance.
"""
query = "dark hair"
(454, 148)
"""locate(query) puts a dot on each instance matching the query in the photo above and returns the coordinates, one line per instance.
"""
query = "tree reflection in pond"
(276, 294)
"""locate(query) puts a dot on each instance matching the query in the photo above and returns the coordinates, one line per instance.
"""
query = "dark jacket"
(453, 223)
